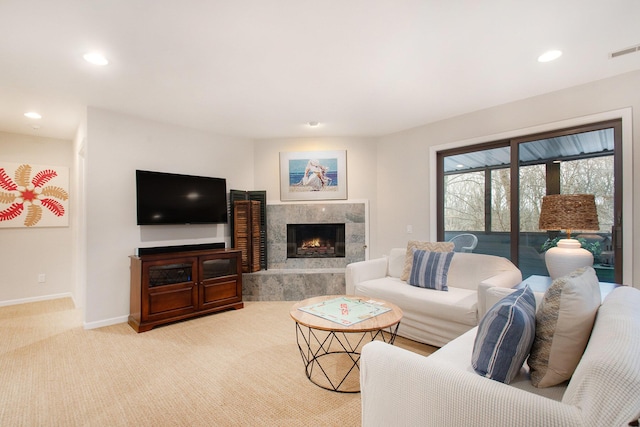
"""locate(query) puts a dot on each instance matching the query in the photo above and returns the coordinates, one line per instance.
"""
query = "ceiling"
(263, 69)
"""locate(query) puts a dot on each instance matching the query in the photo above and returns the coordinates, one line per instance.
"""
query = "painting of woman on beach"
(313, 175)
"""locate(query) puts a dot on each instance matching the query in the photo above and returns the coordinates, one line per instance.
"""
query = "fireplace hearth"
(315, 240)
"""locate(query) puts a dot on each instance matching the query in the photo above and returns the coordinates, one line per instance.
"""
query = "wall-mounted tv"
(167, 198)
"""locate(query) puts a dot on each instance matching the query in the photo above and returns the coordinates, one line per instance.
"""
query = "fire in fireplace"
(315, 241)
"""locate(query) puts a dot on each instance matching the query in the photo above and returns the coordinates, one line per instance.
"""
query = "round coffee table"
(331, 350)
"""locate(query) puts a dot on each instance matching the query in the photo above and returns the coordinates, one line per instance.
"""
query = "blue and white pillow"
(430, 269)
(505, 336)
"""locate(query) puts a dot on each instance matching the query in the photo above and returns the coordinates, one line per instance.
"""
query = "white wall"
(361, 168)
(403, 158)
(391, 172)
(79, 220)
(116, 145)
(27, 252)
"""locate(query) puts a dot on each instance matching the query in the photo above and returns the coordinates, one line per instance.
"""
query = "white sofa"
(406, 389)
(430, 316)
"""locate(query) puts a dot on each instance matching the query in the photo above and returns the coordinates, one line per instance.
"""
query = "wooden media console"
(168, 287)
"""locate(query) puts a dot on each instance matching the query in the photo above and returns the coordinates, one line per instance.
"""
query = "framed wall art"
(313, 175)
(33, 195)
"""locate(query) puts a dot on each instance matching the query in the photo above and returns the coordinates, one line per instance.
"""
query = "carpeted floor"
(233, 368)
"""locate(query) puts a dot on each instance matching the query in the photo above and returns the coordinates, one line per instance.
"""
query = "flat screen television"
(167, 198)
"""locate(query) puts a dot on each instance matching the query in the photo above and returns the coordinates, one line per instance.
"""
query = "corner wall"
(361, 170)
(116, 145)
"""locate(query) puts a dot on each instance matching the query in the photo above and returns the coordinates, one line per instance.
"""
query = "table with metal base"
(330, 351)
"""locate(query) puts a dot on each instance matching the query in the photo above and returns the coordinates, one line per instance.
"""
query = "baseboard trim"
(106, 322)
(36, 299)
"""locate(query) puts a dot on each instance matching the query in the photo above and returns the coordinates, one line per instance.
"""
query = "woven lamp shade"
(569, 212)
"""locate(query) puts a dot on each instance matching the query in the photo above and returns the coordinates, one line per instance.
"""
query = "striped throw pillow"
(430, 269)
(505, 335)
(425, 246)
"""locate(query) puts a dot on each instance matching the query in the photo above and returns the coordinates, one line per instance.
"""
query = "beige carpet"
(233, 368)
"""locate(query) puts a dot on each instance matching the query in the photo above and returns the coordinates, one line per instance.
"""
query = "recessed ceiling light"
(33, 115)
(549, 56)
(460, 166)
(95, 58)
(313, 124)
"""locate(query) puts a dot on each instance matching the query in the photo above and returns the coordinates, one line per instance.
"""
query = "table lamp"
(568, 212)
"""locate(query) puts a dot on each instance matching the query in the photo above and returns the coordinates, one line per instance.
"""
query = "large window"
(592, 176)
(464, 201)
(495, 191)
(500, 200)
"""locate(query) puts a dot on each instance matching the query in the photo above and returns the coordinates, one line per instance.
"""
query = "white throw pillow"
(396, 262)
(563, 327)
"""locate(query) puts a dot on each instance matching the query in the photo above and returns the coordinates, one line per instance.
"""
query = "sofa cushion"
(396, 262)
(456, 355)
(430, 269)
(505, 335)
(563, 326)
(606, 383)
(467, 270)
(454, 306)
(426, 246)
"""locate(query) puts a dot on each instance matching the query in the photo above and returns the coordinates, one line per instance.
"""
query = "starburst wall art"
(33, 195)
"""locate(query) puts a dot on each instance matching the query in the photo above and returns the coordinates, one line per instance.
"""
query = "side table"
(541, 284)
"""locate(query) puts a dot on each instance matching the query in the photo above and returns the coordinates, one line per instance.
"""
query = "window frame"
(552, 187)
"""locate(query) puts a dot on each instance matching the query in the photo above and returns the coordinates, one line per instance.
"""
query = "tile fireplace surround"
(293, 279)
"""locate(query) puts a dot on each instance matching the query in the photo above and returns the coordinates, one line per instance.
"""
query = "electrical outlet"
(42, 278)
(409, 229)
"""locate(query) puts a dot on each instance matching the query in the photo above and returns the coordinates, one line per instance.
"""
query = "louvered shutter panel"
(242, 236)
(254, 236)
(261, 196)
(254, 261)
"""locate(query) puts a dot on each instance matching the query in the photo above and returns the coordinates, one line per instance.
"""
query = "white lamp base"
(567, 257)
